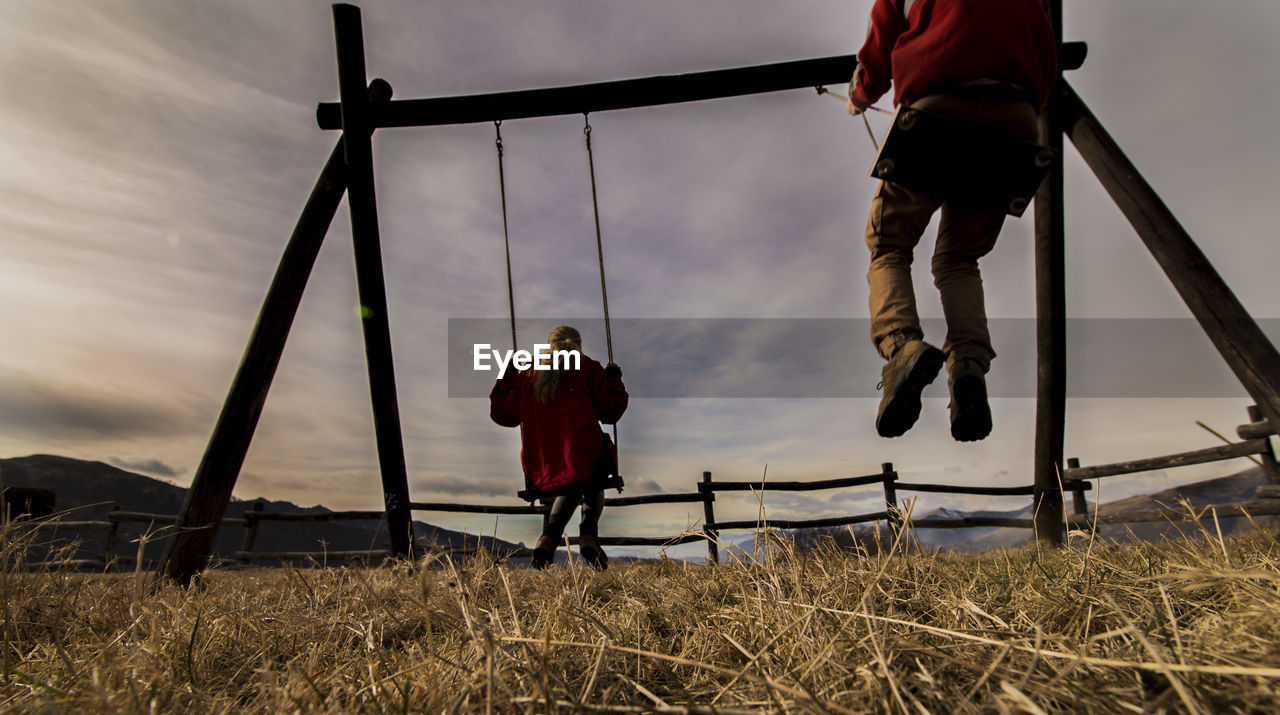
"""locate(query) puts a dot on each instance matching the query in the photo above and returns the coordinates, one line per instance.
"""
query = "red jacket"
(560, 439)
(939, 44)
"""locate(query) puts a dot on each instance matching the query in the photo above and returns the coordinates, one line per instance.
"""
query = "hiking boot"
(970, 413)
(903, 378)
(544, 554)
(589, 547)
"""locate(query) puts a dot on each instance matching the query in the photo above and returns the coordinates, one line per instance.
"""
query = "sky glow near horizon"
(154, 157)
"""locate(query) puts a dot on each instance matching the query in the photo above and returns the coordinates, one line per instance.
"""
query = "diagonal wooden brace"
(1235, 334)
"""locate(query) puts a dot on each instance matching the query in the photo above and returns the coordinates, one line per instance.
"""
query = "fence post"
(1077, 495)
(251, 522)
(109, 548)
(891, 494)
(1268, 457)
(709, 517)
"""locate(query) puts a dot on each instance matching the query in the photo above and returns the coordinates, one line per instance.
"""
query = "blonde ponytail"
(547, 382)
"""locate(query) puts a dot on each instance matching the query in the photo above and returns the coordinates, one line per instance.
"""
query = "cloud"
(644, 485)
(146, 466)
(455, 490)
(40, 408)
(154, 158)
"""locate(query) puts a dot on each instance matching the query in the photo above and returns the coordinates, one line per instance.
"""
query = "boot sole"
(542, 558)
(904, 405)
(971, 418)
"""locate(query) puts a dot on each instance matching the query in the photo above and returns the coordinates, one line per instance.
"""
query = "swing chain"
(870, 133)
(506, 236)
(595, 207)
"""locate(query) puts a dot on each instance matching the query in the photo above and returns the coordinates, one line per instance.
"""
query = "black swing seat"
(613, 481)
(934, 154)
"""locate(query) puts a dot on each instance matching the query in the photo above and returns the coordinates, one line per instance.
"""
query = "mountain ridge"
(91, 489)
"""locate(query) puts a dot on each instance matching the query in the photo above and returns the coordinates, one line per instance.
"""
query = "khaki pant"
(897, 221)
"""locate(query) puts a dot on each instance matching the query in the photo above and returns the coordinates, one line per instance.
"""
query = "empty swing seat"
(934, 154)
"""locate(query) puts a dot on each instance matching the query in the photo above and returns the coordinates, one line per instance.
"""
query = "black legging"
(592, 500)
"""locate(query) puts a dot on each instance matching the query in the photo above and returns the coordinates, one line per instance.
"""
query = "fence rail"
(1181, 459)
(1255, 430)
(794, 486)
(805, 523)
(476, 508)
(1258, 507)
(970, 522)
(983, 491)
(318, 517)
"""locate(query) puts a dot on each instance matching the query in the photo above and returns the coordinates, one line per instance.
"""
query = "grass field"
(1181, 626)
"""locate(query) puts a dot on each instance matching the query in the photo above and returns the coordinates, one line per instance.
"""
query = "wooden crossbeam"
(624, 94)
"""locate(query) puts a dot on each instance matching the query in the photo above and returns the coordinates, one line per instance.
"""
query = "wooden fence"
(111, 528)
(892, 514)
(1255, 435)
(1256, 441)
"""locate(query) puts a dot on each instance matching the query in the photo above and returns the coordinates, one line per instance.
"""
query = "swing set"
(365, 106)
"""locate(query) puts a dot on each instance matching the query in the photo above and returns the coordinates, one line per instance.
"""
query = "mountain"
(88, 491)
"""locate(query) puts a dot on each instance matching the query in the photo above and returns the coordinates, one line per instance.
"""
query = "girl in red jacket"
(563, 450)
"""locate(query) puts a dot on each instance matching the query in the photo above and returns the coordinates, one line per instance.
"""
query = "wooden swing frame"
(365, 107)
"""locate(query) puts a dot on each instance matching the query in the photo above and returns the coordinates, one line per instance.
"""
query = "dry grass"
(1185, 626)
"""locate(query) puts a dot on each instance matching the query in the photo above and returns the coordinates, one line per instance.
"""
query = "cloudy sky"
(154, 157)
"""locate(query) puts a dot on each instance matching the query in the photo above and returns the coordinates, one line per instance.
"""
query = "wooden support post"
(187, 552)
(370, 282)
(1239, 340)
(1051, 328)
(891, 494)
(1080, 503)
(709, 517)
(1271, 467)
(251, 523)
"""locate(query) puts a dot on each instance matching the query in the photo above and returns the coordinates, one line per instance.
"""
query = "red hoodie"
(929, 46)
(560, 439)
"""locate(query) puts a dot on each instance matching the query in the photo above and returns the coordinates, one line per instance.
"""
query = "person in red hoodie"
(563, 450)
(987, 62)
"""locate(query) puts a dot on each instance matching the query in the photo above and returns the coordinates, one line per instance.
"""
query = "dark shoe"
(903, 379)
(544, 554)
(970, 413)
(589, 547)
